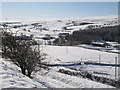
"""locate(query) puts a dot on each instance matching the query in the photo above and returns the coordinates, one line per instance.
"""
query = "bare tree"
(21, 53)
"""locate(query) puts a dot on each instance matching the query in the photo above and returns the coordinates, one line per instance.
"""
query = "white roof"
(9, 21)
(111, 42)
(98, 42)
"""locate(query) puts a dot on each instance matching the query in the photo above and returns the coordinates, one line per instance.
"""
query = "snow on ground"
(69, 54)
(12, 78)
(68, 81)
(102, 71)
(74, 54)
(56, 26)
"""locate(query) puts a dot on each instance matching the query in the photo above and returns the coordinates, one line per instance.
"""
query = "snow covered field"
(55, 26)
(69, 54)
(74, 54)
(12, 78)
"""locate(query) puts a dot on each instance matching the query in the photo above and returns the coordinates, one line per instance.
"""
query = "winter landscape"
(73, 52)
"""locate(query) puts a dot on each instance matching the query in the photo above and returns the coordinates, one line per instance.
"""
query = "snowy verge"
(12, 78)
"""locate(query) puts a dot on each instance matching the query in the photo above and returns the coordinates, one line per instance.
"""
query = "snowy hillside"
(65, 25)
(55, 26)
(12, 78)
(11, 75)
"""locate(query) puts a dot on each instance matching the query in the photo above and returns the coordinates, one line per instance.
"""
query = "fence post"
(118, 68)
(115, 68)
(99, 58)
(66, 49)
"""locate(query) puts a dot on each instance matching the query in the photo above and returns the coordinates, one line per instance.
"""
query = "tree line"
(88, 35)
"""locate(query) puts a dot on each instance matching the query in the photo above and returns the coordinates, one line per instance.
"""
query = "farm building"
(105, 44)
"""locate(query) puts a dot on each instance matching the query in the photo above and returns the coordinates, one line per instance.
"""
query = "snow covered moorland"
(39, 28)
(51, 77)
(11, 77)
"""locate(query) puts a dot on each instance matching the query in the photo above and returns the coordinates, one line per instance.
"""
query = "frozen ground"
(69, 54)
(11, 77)
(55, 26)
(64, 54)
